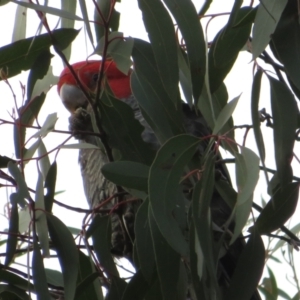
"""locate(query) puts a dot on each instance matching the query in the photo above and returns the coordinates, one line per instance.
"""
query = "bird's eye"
(95, 77)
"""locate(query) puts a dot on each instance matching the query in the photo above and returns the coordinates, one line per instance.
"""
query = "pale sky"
(69, 179)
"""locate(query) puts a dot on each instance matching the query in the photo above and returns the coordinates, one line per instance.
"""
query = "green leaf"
(127, 173)
(202, 196)
(247, 174)
(40, 216)
(167, 260)
(12, 292)
(160, 28)
(22, 189)
(273, 284)
(24, 219)
(266, 20)
(4, 2)
(279, 209)
(54, 277)
(85, 289)
(119, 48)
(159, 110)
(136, 288)
(67, 254)
(50, 182)
(248, 17)
(4, 160)
(117, 288)
(89, 286)
(50, 10)
(255, 114)
(15, 280)
(296, 297)
(295, 230)
(225, 114)
(233, 15)
(86, 20)
(38, 70)
(31, 150)
(205, 7)
(284, 112)
(283, 294)
(48, 125)
(124, 131)
(13, 230)
(21, 55)
(196, 262)
(38, 273)
(242, 212)
(79, 146)
(144, 243)
(44, 161)
(187, 20)
(210, 109)
(227, 193)
(185, 77)
(69, 6)
(232, 39)
(286, 42)
(248, 270)
(100, 230)
(28, 112)
(106, 8)
(225, 49)
(164, 190)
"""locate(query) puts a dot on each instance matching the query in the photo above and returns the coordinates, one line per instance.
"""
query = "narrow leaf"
(100, 230)
(266, 20)
(50, 182)
(70, 6)
(22, 189)
(248, 270)
(225, 48)
(164, 190)
(225, 114)
(279, 209)
(67, 254)
(167, 260)
(48, 125)
(38, 70)
(286, 41)
(160, 28)
(255, 114)
(117, 289)
(202, 196)
(27, 114)
(136, 288)
(159, 110)
(89, 286)
(41, 221)
(284, 111)
(44, 161)
(144, 243)
(21, 55)
(187, 20)
(13, 230)
(50, 10)
(127, 173)
(38, 274)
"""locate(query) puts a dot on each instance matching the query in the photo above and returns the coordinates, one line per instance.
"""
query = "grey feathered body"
(97, 188)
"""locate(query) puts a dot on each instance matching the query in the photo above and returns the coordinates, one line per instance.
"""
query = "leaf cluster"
(191, 221)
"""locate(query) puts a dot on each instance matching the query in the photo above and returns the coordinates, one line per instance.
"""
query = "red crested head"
(87, 72)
